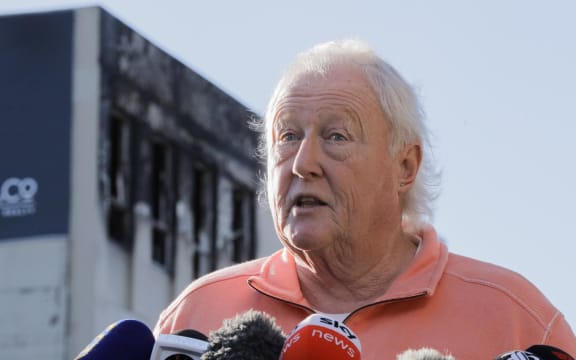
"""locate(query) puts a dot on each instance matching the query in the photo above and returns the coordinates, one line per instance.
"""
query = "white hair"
(399, 103)
(423, 354)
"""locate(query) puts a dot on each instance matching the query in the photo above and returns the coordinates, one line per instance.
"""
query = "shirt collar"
(278, 276)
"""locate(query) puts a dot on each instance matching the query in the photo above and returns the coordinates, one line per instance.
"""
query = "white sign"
(17, 197)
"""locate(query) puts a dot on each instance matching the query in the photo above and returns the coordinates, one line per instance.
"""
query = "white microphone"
(185, 344)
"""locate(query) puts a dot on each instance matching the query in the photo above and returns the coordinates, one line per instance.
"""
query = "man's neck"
(334, 286)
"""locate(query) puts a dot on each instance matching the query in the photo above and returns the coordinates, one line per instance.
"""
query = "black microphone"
(252, 335)
(548, 352)
(123, 340)
(186, 344)
(536, 352)
(423, 354)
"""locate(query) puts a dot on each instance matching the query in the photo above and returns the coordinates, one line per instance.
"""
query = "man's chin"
(308, 240)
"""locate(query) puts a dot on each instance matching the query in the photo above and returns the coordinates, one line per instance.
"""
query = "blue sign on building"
(35, 111)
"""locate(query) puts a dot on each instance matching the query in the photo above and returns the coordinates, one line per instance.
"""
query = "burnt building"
(124, 176)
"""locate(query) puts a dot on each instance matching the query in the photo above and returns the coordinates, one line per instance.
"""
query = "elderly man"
(347, 183)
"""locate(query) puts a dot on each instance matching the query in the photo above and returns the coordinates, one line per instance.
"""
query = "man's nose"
(307, 162)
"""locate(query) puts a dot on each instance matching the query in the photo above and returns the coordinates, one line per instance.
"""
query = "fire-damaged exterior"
(172, 141)
(155, 168)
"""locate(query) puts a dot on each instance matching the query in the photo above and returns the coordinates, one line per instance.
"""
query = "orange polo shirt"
(468, 308)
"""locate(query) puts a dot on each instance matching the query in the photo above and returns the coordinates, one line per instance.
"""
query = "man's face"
(332, 181)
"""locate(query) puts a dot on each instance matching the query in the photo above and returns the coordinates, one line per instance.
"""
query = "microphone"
(548, 352)
(423, 354)
(123, 340)
(319, 337)
(186, 344)
(252, 335)
(536, 352)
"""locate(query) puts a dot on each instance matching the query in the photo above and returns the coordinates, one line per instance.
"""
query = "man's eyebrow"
(280, 121)
(347, 116)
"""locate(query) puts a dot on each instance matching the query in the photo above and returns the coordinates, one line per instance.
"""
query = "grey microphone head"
(252, 335)
(423, 354)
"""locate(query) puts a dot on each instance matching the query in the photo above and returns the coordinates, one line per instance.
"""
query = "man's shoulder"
(487, 274)
(235, 272)
(482, 278)
(228, 281)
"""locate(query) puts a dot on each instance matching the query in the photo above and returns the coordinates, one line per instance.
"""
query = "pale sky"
(497, 80)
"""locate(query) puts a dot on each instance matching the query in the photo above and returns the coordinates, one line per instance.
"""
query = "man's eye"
(337, 137)
(288, 136)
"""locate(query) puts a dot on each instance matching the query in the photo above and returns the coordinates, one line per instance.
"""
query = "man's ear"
(409, 160)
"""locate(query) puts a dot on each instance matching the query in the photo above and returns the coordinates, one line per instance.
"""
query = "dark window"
(243, 225)
(204, 212)
(118, 180)
(163, 203)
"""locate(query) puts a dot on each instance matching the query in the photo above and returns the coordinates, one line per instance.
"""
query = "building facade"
(125, 175)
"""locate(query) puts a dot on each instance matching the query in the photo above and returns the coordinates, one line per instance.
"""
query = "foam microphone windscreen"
(252, 335)
(423, 354)
(319, 337)
(123, 340)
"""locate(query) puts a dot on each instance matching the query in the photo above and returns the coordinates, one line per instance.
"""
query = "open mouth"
(308, 201)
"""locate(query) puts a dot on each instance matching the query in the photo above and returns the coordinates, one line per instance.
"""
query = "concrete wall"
(33, 294)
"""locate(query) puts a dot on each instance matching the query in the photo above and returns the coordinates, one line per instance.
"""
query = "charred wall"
(170, 138)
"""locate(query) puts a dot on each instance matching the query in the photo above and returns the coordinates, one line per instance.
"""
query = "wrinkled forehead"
(337, 76)
(342, 96)
(346, 80)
